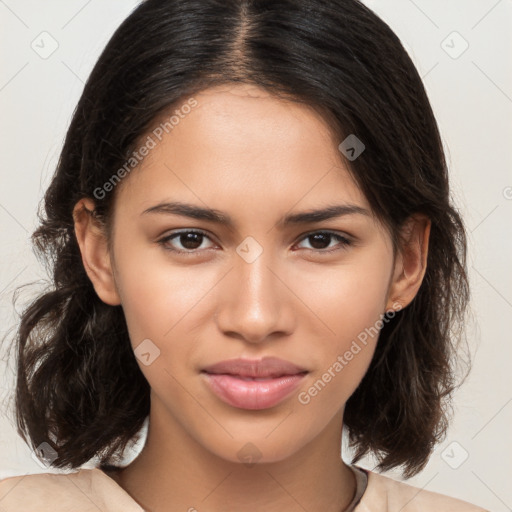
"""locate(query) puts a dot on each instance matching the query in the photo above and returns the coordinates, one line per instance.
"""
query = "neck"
(174, 472)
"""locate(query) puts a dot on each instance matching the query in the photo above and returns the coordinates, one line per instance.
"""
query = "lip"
(253, 384)
(256, 368)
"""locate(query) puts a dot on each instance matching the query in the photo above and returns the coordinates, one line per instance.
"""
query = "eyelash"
(345, 242)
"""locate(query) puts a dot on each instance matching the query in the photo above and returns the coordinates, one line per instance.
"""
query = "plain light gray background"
(463, 50)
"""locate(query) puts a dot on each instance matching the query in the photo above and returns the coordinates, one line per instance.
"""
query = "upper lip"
(265, 367)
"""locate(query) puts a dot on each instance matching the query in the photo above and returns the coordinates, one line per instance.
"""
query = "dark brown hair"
(79, 388)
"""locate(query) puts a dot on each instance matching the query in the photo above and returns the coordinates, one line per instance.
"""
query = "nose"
(256, 302)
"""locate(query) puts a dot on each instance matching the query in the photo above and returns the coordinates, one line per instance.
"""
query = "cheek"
(158, 295)
(161, 302)
(350, 301)
(349, 298)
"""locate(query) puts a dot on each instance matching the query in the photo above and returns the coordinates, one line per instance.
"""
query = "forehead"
(240, 145)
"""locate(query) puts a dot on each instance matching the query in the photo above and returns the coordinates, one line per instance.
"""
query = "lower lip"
(252, 394)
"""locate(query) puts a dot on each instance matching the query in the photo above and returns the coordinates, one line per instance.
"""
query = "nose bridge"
(256, 305)
(252, 269)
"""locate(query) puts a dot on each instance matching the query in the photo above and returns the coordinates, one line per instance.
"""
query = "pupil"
(189, 240)
(318, 237)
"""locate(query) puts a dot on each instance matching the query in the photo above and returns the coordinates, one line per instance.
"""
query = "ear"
(411, 262)
(91, 237)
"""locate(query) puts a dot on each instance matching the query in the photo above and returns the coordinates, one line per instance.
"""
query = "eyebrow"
(219, 217)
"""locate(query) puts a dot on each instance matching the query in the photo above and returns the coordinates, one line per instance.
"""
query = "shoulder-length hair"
(78, 385)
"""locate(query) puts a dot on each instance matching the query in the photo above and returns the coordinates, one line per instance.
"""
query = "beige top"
(92, 490)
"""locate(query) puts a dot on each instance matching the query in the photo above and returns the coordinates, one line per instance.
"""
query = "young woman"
(253, 246)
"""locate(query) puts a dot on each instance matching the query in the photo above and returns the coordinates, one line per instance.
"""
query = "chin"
(252, 452)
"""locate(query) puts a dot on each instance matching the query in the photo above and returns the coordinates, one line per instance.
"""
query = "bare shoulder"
(384, 494)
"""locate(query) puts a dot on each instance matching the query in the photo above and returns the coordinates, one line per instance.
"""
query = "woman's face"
(253, 287)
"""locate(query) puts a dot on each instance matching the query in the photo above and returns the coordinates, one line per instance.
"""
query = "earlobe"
(92, 241)
(411, 262)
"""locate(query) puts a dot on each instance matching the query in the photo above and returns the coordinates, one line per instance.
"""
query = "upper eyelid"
(189, 230)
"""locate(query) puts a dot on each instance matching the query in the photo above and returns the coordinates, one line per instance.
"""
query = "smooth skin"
(256, 158)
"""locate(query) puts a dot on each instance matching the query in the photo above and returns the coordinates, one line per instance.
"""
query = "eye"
(320, 240)
(190, 240)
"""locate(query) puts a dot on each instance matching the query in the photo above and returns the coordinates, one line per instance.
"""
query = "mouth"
(252, 393)
(256, 379)
(250, 369)
(253, 384)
